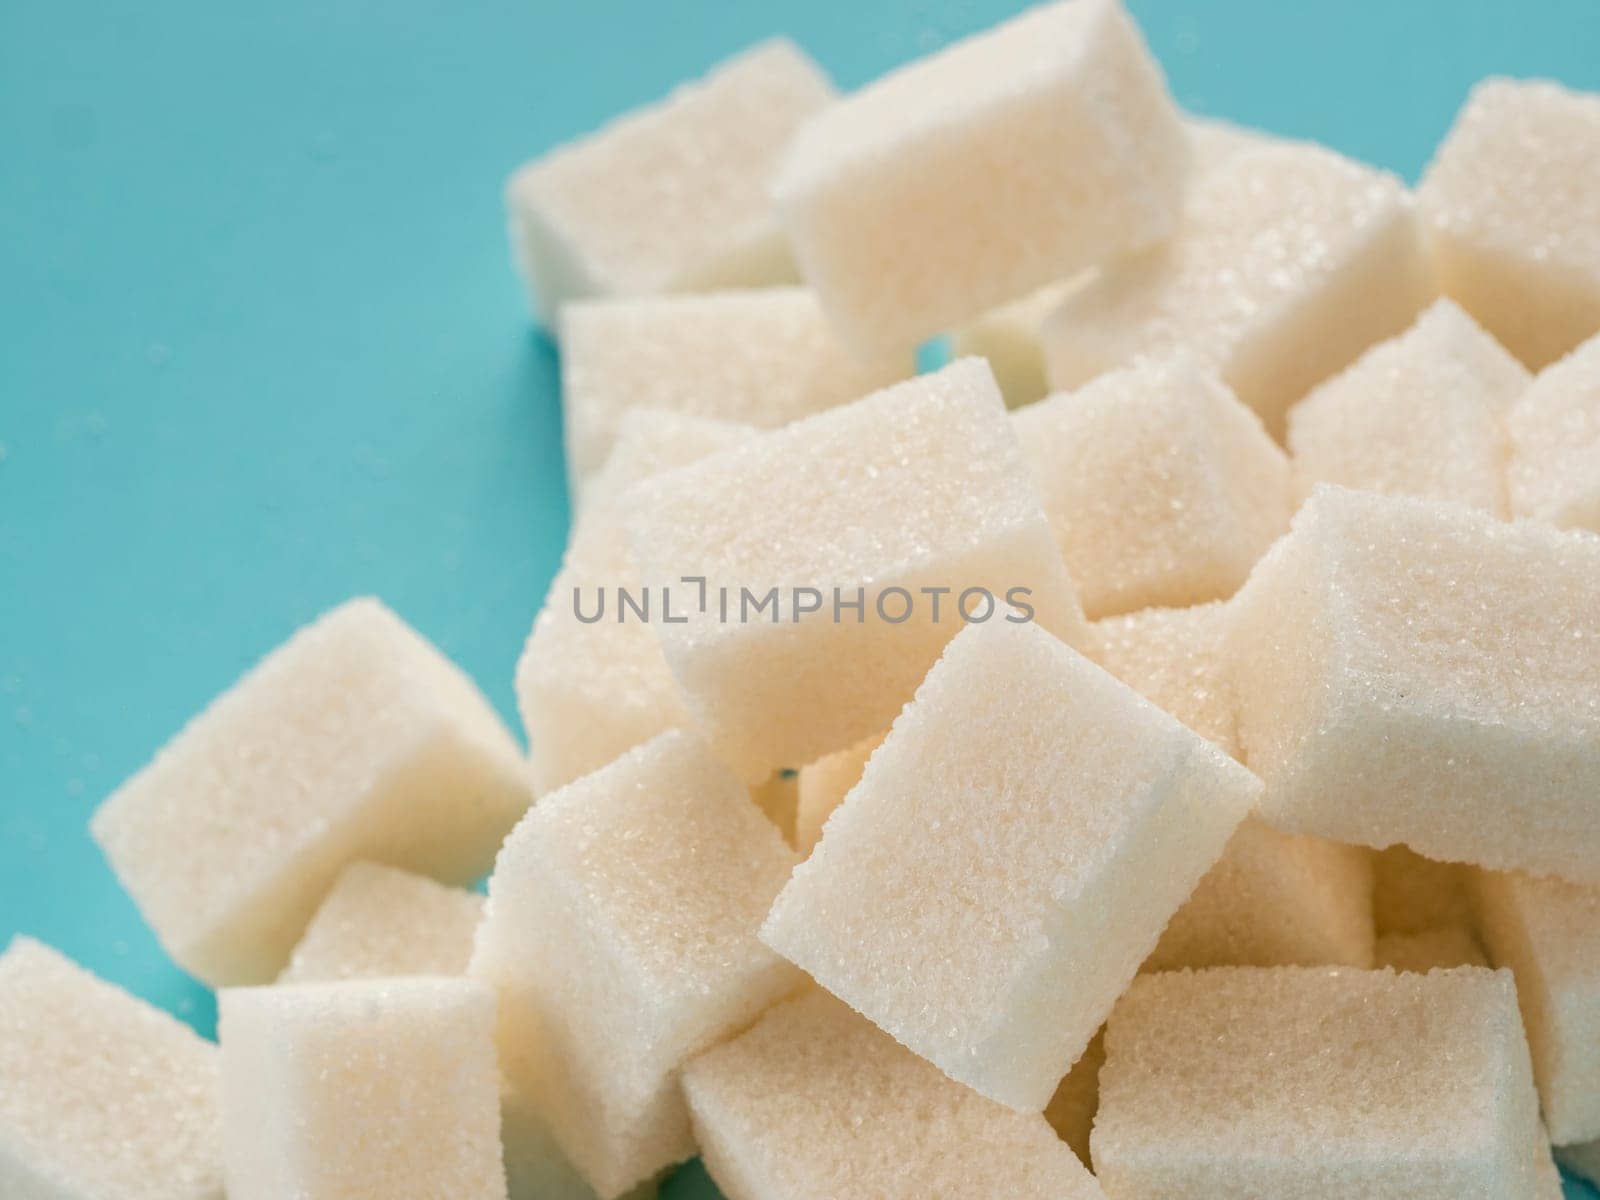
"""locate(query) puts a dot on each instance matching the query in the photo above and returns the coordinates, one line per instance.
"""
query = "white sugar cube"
(1554, 473)
(621, 937)
(1548, 933)
(1008, 859)
(673, 197)
(1161, 488)
(1416, 672)
(1419, 415)
(1512, 205)
(823, 787)
(1447, 946)
(970, 178)
(1303, 1083)
(761, 358)
(101, 1096)
(591, 682)
(1273, 898)
(357, 1089)
(354, 739)
(1291, 260)
(379, 922)
(814, 1101)
(822, 602)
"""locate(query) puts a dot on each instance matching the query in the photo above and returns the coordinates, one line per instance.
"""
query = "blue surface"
(260, 348)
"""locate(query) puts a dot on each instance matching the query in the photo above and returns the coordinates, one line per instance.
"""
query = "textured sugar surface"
(1446, 946)
(380, 922)
(1512, 205)
(816, 1102)
(354, 739)
(823, 787)
(1318, 1083)
(1548, 933)
(920, 486)
(101, 1096)
(1003, 163)
(1061, 820)
(1554, 473)
(1071, 1110)
(1413, 894)
(1422, 673)
(1008, 336)
(588, 690)
(1290, 261)
(361, 1090)
(761, 358)
(621, 938)
(1419, 415)
(1273, 898)
(673, 197)
(536, 1167)
(1161, 488)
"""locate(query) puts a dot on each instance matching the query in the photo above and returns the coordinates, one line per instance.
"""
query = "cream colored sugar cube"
(815, 1102)
(101, 1096)
(1318, 1083)
(673, 197)
(1416, 672)
(354, 739)
(779, 799)
(823, 787)
(378, 922)
(1447, 946)
(621, 938)
(1008, 336)
(1554, 429)
(1419, 415)
(1548, 932)
(970, 178)
(1071, 1110)
(1413, 894)
(1008, 859)
(1161, 488)
(358, 1089)
(823, 601)
(1291, 261)
(1512, 204)
(536, 1167)
(760, 358)
(591, 682)
(1174, 658)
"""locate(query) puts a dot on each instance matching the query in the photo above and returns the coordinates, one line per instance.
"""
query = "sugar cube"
(1161, 488)
(1512, 205)
(536, 1167)
(672, 197)
(1548, 932)
(1554, 473)
(101, 1096)
(761, 358)
(1445, 946)
(816, 1102)
(361, 1088)
(1291, 260)
(1174, 658)
(1008, 336)
(1419, 415)
(620, 936)
(970, 178)
(1303, 1083)
(354, 739)
(379, 922)
(1417, 672)
(592, 682)
(823, 787)
(1063, 819)
(779, 798)
(1412, 894)
(807, 613)
(1071, 1110)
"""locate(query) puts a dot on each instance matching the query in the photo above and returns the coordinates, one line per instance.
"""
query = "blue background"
(261, 349)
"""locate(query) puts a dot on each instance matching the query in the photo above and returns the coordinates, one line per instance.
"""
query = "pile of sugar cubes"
(1154, 756)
